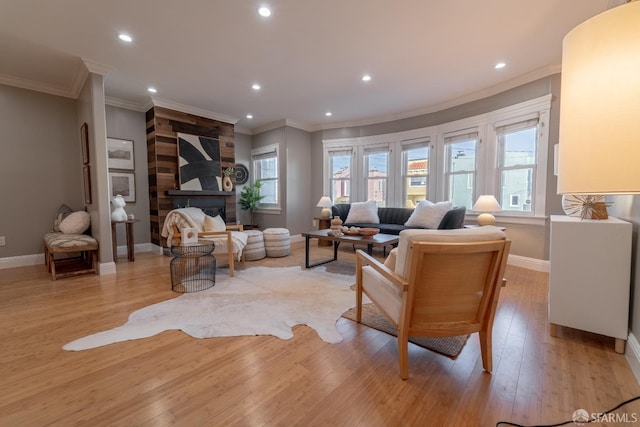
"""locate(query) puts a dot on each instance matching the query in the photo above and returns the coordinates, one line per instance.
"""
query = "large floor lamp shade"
(599, 141)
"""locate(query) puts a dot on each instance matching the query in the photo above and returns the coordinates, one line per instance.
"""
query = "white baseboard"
(529, 263)
(141, 247)
(632, 353)
(21, 261)
(38, 259)
(107, 268)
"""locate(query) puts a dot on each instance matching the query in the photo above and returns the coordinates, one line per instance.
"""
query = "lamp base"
(325, 213)
(486, 219)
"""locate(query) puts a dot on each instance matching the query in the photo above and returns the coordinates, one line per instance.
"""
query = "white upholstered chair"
(437, 283)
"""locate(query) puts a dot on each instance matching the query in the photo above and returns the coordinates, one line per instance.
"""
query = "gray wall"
(40, 166)
(243, 156)
(129, 124)
(298, 180)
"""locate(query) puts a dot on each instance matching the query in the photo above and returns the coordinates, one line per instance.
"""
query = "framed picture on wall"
(120, 154)
(124, 184)
(86, 177)
(84, 141)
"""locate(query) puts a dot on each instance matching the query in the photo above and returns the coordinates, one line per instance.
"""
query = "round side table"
(193, 267)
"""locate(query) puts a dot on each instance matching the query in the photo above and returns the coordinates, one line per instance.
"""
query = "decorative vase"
(336, 222)
(227, 185)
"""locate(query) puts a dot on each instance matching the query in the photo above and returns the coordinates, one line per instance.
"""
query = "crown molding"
(484, 93)
(164, 103)
(82, 72)
(128, 105)
(96, 67)
(280, 123)
(35, 86)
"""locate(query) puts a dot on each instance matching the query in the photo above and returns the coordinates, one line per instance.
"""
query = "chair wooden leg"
(358, 289)
(403, 353)
(485, 350)
(232, 261)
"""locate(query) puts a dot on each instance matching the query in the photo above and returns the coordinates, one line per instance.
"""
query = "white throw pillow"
(363, 213)
(76, 223)
(428, 214)
(214, 223)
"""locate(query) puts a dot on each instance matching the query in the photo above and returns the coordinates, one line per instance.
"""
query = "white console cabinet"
(589, 277)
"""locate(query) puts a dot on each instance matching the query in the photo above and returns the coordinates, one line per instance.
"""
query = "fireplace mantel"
(200, 193)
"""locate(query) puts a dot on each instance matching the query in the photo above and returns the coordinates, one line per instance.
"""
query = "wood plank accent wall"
(163, 126)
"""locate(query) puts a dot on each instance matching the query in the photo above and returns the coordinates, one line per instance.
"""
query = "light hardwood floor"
(173, 379)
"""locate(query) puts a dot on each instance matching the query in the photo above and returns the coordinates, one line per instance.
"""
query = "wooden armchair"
(443, 283)
(229, 239)
(231, 252)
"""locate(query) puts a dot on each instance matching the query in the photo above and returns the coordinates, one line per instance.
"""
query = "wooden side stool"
(69, 244)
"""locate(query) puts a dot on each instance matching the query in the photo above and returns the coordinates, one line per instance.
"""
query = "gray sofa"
(392, 220)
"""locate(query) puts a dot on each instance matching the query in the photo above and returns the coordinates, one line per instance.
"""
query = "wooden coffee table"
(371, 241)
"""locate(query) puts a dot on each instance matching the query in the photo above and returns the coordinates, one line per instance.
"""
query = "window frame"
(261, 153)
(486, 179)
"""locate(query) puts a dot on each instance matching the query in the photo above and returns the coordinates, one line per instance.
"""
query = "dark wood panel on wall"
(163, 125)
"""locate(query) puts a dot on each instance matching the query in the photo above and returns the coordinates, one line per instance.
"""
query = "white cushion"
(479, 234)
(214, 223)
(76, 223)
(379, 289)
(363, 213)
(428, 214)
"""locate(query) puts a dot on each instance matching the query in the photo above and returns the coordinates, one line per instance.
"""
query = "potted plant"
(250, 197)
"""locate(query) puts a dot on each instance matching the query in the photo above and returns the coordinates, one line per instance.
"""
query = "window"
(460, 169)
(501, 152)
(415, 172)
(340, 176)
(265, 168)
(517, 152)
(377, 168)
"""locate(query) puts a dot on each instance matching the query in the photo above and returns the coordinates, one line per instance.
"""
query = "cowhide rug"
(257, 301)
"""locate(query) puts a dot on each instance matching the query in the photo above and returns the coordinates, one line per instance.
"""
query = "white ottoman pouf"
(277, 242)
(254, 249)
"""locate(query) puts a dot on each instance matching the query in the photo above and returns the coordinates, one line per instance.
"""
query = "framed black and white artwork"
(199, 162)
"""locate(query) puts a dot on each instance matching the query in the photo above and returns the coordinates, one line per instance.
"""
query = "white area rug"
(257, 301)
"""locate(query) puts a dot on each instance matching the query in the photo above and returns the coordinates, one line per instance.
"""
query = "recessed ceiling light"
(264, 12)
(152, 89)
(249, 116)
(366, 78)
(125, 37)
(499, 65)
(328, 114)
(255, 86)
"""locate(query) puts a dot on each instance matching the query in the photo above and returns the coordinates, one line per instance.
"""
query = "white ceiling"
(309, 56)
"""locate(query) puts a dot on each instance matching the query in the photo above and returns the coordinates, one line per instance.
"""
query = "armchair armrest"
(236, 227)
(362, 259)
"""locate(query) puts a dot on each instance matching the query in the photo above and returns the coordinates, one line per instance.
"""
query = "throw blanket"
(194, 218)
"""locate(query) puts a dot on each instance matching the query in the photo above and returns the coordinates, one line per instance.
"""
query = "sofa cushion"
(428, 214)
(394, 215)
(363, 212)
(479, 234)
(453, 219)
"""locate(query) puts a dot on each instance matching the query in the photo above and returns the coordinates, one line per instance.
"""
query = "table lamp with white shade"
(485, 204)
(325, 203)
